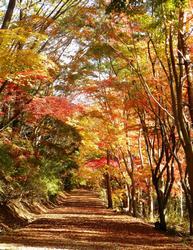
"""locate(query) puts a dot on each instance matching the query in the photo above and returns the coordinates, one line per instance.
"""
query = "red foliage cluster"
(101, 162)
(18, 88)
(54, 106)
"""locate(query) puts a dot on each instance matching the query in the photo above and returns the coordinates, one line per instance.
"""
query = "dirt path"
(83, 222)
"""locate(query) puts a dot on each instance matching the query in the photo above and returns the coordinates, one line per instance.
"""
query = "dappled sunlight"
(104, 229)
(96, 95)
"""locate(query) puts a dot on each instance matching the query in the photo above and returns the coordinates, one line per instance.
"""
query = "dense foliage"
(98, 94)
(38, 145)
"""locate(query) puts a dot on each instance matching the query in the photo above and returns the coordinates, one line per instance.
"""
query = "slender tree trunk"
(181, 206)
(185, 68)
(108, 183)
(144, 210)
(109, 190)
(189, 206)
(189, 160)
(129, 202)
(188, 198)
(151, 205)
(190, 174)
(133, 197)
(126, 197)
(140, 206)
(8, 14)
(191, 222)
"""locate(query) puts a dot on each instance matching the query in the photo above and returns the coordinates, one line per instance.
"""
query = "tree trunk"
(162, 217)
(8, 14)
(151, 205)
(189, 206)
(144, 210)
(129, 207)
(183, 127)
(109, 190)
(162, 220)
(190, 222)
(189, 161)
(181, 206)
(108, 183)
(161, 207)
(133, 198)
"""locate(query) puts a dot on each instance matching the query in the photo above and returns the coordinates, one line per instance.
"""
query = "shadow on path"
(83, 222)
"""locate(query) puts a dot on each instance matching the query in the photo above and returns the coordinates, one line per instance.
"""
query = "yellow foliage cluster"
(19, 52)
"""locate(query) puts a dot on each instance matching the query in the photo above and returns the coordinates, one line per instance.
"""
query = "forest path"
(83, 222)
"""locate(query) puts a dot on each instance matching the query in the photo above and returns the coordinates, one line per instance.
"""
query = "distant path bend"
(82, 222)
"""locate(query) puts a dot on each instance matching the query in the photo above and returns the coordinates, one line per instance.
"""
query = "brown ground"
(83, 222)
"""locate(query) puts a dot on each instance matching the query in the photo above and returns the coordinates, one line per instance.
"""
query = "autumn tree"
(170, 53)
(33, 120)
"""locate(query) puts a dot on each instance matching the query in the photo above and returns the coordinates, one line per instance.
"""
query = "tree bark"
(151, 206)
(8, 14)
(109, 190)
(161, 208)
(189, 161)
(181, 205)
(162, 217)
(108, 183)
(133, 197)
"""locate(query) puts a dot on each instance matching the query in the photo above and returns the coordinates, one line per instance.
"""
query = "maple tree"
(38, 145)
(120, 55)
(131, 54)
